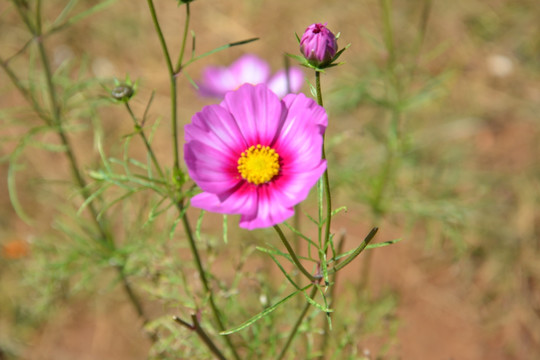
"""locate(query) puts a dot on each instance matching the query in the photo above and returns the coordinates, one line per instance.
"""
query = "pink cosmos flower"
(217, 81)
(255, 155)
(318, 45)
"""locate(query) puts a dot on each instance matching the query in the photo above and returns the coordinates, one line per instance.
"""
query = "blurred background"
(462, 82)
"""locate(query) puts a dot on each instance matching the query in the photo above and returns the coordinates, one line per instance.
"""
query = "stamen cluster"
(258, 164)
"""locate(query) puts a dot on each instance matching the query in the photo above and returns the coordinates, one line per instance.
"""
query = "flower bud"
(122, 92)
(318, 45)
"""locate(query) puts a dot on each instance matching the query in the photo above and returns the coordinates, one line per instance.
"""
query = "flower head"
(318, 45)
(255, 155)
(250, 69)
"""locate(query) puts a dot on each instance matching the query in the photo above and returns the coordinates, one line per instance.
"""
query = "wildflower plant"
(258, 154)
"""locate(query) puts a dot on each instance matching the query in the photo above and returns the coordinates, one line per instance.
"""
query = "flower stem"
(331, 302)
(293, 255)
(184, 40)
(196, 326)
(172, 78)
(204, 279)
(177, 172)
(56, 121)
(297, 325)
(140, 130)
(326, 179)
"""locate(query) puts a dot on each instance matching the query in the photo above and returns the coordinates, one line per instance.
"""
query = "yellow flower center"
(258, 164)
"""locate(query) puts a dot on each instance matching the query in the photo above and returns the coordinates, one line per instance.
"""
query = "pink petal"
(212, 170)
(293, 187)
(282, 83)
(215, 126)
(257, 111)
(216, 81)
(250, 69)
(270, 211)
(240, 200)
(300, 138)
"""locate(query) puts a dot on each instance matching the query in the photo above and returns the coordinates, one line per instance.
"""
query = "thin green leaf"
(174, 225)
(225, 226)
(91, 198)
(280, 267)
(338, 210)
(294, 230)
(226, 46)
(76, 18)
(275, 251)
(264, 313)
(117, 200)
(323, 308)
(386, 243)
(198, 226)
(155, 211)
(338, 54)
(145, 115)
(12, 191)
(138, 164)
(356, 252)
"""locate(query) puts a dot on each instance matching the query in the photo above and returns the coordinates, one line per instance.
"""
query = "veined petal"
(257, 111)
(300, 137)
(215, 126)
(240, 200)
(270, 210)
(293, 187)
(211, 169)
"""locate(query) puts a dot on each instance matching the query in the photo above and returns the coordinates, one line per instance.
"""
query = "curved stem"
(297, 324)
(293, 255)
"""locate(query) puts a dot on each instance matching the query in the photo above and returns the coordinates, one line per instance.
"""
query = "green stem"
(177, 172)
(196, 326)
(293, 255)
(204, 279)
(331, 302)
(297, 325)
(326, 180)
(296, 237)
(140, 130)
(56, 121)
(387, 30)
(184, 40)
(160, 35)
(172, 78)
(25, 93)
(22, 14)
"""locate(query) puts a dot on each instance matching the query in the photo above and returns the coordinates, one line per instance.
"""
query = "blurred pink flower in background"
(255, 155)
(218, 80)
(318, 45)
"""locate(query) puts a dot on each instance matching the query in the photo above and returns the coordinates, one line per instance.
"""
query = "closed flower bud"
(122, 92)
(318, 45)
